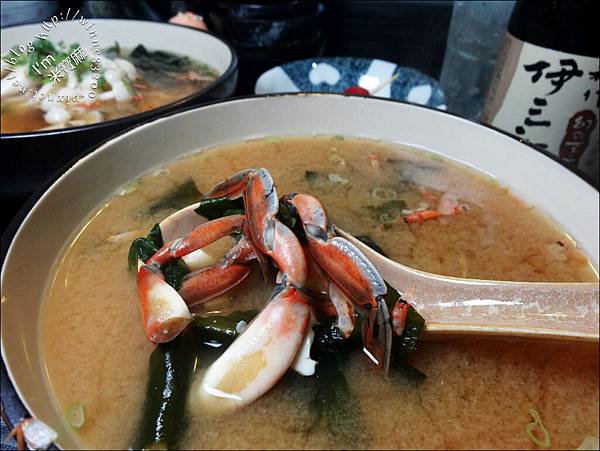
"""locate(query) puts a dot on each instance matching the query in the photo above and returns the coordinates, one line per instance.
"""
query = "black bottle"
(545, 88)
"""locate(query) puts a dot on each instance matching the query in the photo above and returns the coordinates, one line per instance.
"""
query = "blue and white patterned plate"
(339, 73)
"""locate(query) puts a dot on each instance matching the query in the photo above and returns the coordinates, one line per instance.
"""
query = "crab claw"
(352, 273)
(377, 336)
(164, 312)
(204, 284)
(258, 358)
(232, 187)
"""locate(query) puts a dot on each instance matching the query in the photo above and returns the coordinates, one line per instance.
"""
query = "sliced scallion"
(76, 415)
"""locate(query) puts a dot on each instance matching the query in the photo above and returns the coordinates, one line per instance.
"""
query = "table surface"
(10, 444)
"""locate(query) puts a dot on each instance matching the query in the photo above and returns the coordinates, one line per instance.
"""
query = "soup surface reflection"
(477, 393)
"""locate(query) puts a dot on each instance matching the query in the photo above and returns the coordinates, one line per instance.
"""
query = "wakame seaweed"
(114, 51)
(161, 61)
(155, 235)
(163, 421)
(222, 328)
(406, 344)
(140, 249)
(218, 207)
(146, 247)
(175, 272)
(289, 216)
(336, 407)
(179, 197)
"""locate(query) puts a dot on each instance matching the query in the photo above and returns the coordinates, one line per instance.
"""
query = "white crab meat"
(256, 360)
(303, 364)
(199, 259)
(57, 115)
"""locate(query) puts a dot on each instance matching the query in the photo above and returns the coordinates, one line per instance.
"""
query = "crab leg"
(233, 187)
(201, 236)
(206, 283)
(268, 234)
(328, 299)
(164, 312)
(343, 308)
(352, 272)
(260, 356)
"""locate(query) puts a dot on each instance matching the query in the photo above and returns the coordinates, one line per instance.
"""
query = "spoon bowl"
(455, 306)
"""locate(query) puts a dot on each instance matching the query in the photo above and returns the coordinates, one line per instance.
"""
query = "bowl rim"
(14, 412)
(138, 118)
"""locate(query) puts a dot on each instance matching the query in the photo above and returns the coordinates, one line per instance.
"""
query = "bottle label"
(548, 98)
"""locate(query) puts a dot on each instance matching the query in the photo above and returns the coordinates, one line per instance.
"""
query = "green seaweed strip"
(144, 248)
(175, 272)
(222, 328)
(409, 339)
(406, 344)
(233, 212)
(164, 413)
(155, 235)
(161, 61)
(334, 403)
(288, 216)
(218, 207)
(179, 197)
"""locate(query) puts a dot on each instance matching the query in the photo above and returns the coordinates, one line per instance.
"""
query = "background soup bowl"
(35, 156)
(65, 206)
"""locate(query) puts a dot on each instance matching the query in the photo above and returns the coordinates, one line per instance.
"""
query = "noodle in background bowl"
(32, 157)
(60, 211)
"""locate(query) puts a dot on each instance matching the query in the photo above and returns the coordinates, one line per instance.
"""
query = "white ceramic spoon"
(451, 306)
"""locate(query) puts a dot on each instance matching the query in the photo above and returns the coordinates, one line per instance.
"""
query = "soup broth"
(477, 394)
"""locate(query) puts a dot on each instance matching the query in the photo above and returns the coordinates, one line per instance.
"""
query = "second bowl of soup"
(74, 85)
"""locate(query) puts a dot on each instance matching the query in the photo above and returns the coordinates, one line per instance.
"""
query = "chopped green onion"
(130, 187)
(386, 194)
(537, 424)
(76, 415)
(103, 84)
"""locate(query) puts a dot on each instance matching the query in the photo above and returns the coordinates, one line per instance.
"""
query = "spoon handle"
(450, 305)
(561, 311)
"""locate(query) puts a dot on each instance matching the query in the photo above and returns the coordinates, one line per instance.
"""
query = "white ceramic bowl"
(61, 210)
